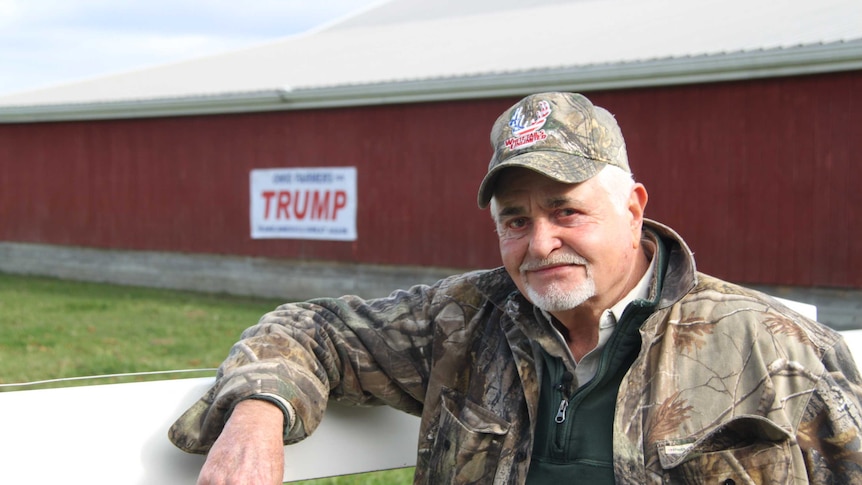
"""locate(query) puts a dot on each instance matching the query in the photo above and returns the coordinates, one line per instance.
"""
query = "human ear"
(637, 205)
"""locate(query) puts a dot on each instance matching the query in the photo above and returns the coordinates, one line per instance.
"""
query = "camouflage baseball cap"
(560, 135)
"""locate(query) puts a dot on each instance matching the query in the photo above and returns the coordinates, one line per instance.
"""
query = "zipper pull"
(563, 387)
(561, 413)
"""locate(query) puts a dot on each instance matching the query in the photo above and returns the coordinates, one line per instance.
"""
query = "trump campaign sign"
(304, 203)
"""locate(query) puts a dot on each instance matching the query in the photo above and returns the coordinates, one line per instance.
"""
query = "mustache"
(556, 260)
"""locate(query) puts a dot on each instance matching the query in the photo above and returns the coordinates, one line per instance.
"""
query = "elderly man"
(596, 355)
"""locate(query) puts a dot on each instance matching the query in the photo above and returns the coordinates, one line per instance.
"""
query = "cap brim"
(562, 167)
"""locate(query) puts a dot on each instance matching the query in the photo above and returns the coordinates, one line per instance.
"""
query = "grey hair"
(618, 184)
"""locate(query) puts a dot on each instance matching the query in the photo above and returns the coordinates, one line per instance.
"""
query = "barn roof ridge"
(370, 70)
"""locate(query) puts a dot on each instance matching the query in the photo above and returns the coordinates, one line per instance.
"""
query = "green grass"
(53, 329)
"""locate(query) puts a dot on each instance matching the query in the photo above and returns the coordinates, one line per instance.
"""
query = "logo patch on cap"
(526, 133)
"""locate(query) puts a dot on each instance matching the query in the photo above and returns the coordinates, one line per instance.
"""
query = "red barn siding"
(759, 176)
(181, 184)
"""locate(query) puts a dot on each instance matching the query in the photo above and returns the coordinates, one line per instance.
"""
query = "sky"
(49, 42)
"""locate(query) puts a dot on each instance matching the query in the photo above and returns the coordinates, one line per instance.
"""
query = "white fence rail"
(117, 434)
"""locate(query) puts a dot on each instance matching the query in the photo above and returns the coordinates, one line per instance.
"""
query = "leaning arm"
(349, 349)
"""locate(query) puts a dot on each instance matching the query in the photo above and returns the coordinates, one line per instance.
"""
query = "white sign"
(304, 203)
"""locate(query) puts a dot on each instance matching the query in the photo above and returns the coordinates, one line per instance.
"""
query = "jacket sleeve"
(357, 351)
(830, 433)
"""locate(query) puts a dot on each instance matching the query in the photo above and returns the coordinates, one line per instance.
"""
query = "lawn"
(52, 329)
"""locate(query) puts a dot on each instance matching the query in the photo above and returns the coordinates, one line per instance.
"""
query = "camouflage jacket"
(730, 386)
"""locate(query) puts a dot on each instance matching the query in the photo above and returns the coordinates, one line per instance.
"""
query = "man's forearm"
(250, 448)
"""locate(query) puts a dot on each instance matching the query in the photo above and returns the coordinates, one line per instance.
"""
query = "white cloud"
(48, 42)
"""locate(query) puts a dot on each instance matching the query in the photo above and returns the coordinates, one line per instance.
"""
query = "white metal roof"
(416, 50)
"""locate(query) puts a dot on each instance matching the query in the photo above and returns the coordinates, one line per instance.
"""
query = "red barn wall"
(761, 177)
(758, 176)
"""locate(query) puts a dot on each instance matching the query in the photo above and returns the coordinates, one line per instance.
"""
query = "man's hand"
(249, 449)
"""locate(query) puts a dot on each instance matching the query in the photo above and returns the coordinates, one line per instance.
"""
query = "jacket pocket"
(747, 450)
(467, 444)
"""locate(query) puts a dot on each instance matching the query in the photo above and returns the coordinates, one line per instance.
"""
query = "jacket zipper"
(564, 388)
(560, 429)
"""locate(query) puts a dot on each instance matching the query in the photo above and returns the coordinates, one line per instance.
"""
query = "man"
(596, 355)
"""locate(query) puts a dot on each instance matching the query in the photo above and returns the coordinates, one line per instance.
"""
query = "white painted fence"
(117, 434)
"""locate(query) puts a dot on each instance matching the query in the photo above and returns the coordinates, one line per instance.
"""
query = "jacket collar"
(681, 274)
